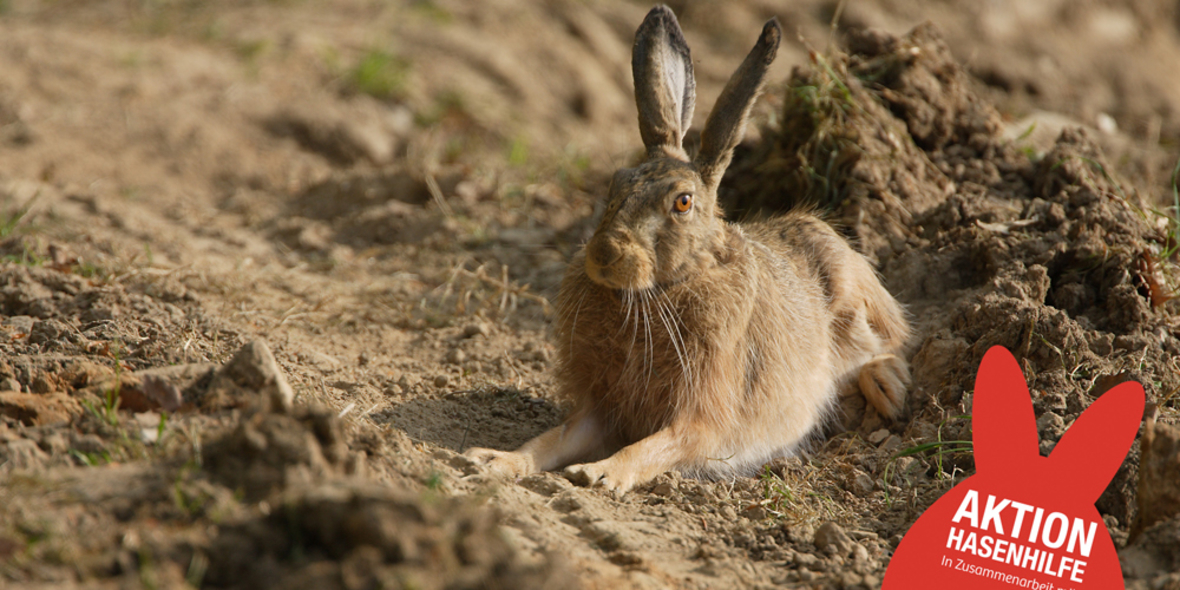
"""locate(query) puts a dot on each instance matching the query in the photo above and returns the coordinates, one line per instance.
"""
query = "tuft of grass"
(430, 10)
(802, 495)
(380, 74)
(108, 412)
(11, 220)
(939, 448)
(91, 459)
(816, 143)
(518, 153)
(1172, 229)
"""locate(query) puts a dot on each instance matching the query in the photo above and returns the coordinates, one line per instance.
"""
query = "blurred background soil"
(206, 206)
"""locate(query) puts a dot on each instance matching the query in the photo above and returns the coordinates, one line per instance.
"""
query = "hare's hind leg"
(578, 436)
(884, 381)
(882, 377)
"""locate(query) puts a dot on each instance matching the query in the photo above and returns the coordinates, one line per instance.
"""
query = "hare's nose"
(603, 251)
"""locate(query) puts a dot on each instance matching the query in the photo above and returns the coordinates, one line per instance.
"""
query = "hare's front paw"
(504, 463)
(600, 474)
(884, 381)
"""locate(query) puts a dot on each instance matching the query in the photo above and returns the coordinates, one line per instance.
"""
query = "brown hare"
(694, 344)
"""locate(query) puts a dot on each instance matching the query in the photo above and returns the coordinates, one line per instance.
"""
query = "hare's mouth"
(620, 276)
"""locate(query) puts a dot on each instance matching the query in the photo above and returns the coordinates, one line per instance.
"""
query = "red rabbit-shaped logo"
(1023, 520)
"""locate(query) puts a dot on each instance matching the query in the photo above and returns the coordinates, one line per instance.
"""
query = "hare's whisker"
(577, 310)
(649, 346)
(673, 324)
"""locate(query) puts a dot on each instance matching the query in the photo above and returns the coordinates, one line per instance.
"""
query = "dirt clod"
(251, 377)
(1159, 475)
(832, 540)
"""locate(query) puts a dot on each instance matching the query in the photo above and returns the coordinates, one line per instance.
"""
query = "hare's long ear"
(726, 124)
(1091, 451)
(1003, 424)
(665, 89)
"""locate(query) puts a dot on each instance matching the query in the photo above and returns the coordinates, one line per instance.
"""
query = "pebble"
(253, 368)
(441, 380)
(477, 329)
(891, 444)
(859, 553)
(862, 484)
(878, 436)
(755, 512)
(664, 489)
(456, 356)
(832, 539)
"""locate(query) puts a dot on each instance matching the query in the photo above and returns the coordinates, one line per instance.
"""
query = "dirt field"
(208, 206)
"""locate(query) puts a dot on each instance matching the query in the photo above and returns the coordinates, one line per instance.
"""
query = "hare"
(694, 344)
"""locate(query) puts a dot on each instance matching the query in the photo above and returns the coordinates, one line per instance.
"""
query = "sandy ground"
(205, 203)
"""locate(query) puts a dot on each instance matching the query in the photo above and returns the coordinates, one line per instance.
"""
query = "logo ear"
(1091, 451)
(1003, 424)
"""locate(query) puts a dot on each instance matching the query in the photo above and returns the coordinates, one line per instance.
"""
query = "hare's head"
(662, 222)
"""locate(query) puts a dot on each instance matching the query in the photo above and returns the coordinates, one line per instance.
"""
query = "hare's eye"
(683, 203)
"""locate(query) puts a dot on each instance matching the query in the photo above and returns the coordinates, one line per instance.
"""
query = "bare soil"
(206, 206)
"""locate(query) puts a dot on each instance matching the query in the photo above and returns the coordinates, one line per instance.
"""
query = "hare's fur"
(694, 344)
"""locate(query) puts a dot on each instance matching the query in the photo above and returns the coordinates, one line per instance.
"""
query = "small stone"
(9, 384)
(319, 360)
(832, 539)
(891, 444)
(476, 329)
(755, 512)
(728, 513)
(21, 324)
(878, 436)
(39, 409)
(805, 560)
(1050, 425)
(89, 443)
(55, 443)
(254, 369)
(363, 359)
(859, 553)
(441, 380)
(850, 580)
(545, 484)
(42, 383)
(49, 332)
(456, 356)
(862, 484)
(163, 393)
(23, 454)
(664, 489)
(907, 466)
